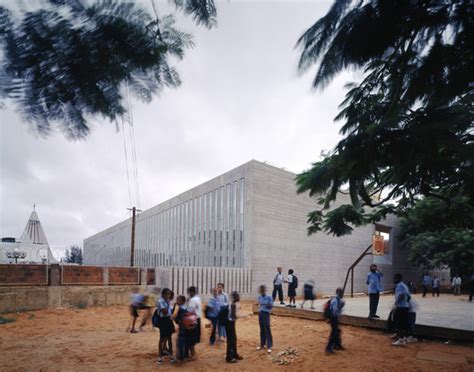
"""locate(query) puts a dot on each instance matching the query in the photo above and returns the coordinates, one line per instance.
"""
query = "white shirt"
(195, 306)
(290, 278)
(457, 281)
(278, 279)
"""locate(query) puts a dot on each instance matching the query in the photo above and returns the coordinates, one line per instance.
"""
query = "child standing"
(335, 309)
(163, 308)
(292, 281)
(212, 311)
(265, 305)
(232, 355)
(182, 352)
(309, 295)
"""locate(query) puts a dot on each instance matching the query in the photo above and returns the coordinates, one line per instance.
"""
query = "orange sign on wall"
(378, 245)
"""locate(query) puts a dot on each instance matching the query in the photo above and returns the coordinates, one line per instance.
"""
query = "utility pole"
(132, 244)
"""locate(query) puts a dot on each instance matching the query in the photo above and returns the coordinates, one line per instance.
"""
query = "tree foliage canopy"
(69, 60)
(73, 255)
(408, 125)
(441, 233)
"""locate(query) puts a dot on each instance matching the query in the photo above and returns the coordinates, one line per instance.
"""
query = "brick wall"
(23, 274)
(82, 275)
(124, 275)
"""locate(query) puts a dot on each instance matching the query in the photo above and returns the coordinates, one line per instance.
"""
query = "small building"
(32, 247)
(250, 218)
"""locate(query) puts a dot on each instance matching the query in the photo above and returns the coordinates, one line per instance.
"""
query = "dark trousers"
(182, 346)
(402, 321)
(425, 289)
(436, 291)
(335, 335)
(213, 330)
(231, 340)
(279, 289)
(373, 303)
(265, 331)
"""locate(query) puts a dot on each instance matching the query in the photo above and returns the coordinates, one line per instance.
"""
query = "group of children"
(185, 314)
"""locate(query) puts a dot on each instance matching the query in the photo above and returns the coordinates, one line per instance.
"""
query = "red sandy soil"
(96, 339)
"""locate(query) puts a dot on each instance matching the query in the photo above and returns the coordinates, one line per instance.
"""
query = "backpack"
(295, 281)
(327, 309)
(156, 319)
(189, 321)
(223, 315)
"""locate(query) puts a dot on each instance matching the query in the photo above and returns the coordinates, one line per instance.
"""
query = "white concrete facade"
(250, 217)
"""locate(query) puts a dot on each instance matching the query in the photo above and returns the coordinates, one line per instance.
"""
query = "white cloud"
(240, 99)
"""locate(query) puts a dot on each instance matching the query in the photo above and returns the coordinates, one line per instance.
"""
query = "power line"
(126, 163)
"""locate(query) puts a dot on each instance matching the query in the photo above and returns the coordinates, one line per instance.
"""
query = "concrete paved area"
(445, 311)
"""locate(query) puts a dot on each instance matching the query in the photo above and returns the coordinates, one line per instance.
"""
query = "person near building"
(278, 285)
(334, 312)
(194, 307)
(425, 284)
(374, 283)
(292, 281)
(265, 305)
(309, 293)
(222, 303)
(457, 285)
(401, 317)
(232, 356)
(435, 286)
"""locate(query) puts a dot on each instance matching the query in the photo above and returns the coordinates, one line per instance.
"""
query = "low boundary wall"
(420, 330)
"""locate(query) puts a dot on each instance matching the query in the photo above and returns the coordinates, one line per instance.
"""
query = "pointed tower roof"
(34, 231)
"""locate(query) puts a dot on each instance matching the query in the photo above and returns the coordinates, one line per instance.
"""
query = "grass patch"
(6, 320)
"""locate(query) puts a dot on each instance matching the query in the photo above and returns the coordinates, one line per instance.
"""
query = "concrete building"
(251, 218)
(32, 247)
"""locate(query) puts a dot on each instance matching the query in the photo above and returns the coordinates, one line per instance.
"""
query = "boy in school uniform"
(374, 283)
(232, 355)
(308, 291)
(335, 310)
(265, 305)
(278, 285)
(136, 303)
(401, 315)
(222, 303)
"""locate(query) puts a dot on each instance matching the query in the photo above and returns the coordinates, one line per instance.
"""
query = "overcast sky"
(241, 99)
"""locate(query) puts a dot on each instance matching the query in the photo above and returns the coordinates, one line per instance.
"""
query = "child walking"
(265, 305)
(163, 309)
(335, 307)
(232, 355)
(309, 295)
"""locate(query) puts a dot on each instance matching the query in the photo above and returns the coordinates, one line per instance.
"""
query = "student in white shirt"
(278, 285)
(195, 307)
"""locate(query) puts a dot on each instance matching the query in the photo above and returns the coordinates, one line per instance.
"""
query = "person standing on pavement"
(292, 285)
(457, 285)
(426, 283)
(435, 287)
(278, 285)
(374, 282)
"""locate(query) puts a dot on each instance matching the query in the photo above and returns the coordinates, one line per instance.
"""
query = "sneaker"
(288, 306)
(293, 306)
(232, 361)
(258, 348)
(394, 336)
(269, 350)
(376, 316)
(339, 348)
(159, 361)
(172, 360)
(410, 339)
(400, 342)
(329, 351)
(282, 303)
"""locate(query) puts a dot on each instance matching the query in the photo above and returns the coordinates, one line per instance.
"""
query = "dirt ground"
(95, 339)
